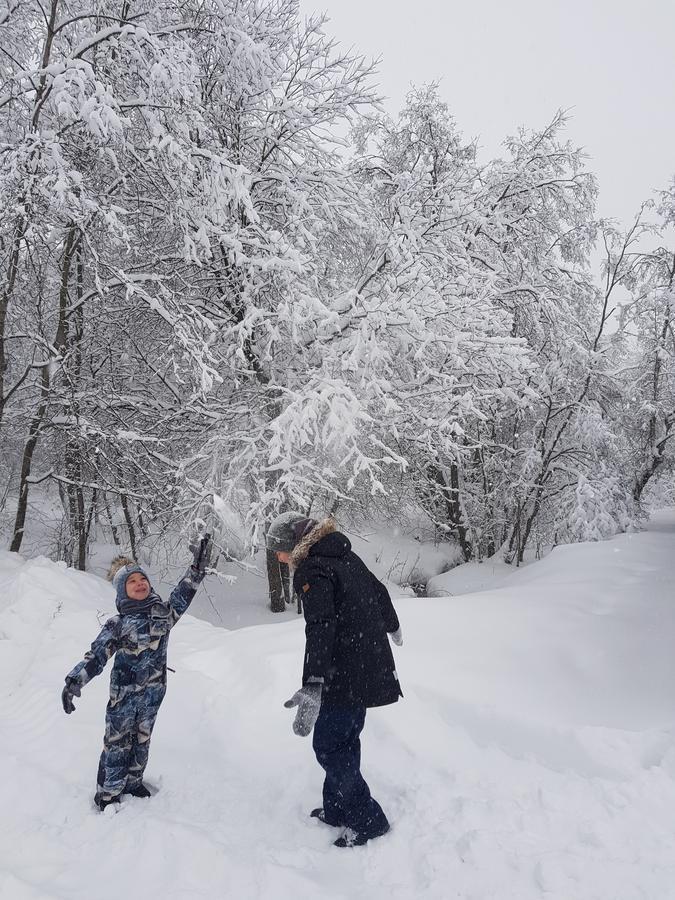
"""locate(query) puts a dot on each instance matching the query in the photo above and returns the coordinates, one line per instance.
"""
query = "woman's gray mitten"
(308, 701)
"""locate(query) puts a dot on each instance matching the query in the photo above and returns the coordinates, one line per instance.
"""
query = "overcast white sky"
(504, 63)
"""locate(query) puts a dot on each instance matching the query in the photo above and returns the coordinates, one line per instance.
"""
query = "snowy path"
(533, 755)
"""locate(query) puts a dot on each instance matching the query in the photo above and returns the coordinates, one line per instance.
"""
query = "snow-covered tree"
(88, 162)
(230, 284)
(646, 369)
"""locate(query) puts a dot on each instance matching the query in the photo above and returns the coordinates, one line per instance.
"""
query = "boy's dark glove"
(308, 701)
(72, 689)
(201, 547)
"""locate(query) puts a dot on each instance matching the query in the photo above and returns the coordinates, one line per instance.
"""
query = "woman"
(348, 667)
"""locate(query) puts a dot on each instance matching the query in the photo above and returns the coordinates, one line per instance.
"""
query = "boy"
(139, 636)
(348, 664)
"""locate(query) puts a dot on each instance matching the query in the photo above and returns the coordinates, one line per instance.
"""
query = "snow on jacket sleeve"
(105, 645)
(391, 622)
(317, 590)
(182, 595)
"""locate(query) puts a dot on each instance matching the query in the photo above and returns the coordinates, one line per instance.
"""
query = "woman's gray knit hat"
(287, 530)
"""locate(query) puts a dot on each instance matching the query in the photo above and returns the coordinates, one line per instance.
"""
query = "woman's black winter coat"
(348, 613)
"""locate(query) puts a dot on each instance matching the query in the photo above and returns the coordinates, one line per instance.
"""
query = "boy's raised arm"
(182, 594)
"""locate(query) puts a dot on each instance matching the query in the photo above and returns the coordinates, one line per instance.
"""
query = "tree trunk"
(451, 505)
(276, 583)
(113, 528)
(657, 459)
(76, 506)
(130, 525)
(5, 296)
(26, 464)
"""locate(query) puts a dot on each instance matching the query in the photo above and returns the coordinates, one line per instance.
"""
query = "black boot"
(320, 814)
(353, 838)
(102, 801)
(138, 790)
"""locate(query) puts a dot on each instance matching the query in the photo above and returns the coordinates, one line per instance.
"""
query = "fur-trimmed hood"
(118, 563)
(320, 530)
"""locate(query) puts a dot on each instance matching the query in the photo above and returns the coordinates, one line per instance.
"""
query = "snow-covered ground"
(469, 578)
(533, 755)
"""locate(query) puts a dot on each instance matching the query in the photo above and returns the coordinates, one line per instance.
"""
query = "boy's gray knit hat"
(287, 530)
(120, 569)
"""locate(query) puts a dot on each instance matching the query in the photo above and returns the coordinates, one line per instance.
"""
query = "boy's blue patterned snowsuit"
(137, 683)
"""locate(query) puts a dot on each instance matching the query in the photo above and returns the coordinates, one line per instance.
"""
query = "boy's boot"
(102, 801)
(138, 790)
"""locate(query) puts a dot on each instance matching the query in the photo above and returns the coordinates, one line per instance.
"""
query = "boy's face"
(137, 586)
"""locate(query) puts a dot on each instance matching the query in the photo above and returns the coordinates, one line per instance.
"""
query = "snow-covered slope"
(532, 757)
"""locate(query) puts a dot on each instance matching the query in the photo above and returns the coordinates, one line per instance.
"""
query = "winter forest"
(244, 291)
(231, 285)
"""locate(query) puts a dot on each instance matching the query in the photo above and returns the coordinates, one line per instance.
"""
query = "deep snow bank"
(532, 756)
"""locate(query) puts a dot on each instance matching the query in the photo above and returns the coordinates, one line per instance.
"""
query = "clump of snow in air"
(231, 530)
(532, 758)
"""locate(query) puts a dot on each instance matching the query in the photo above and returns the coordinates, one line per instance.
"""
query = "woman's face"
(137, 586)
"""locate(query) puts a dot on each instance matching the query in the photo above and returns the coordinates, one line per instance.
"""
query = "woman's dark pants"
(346, 796)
